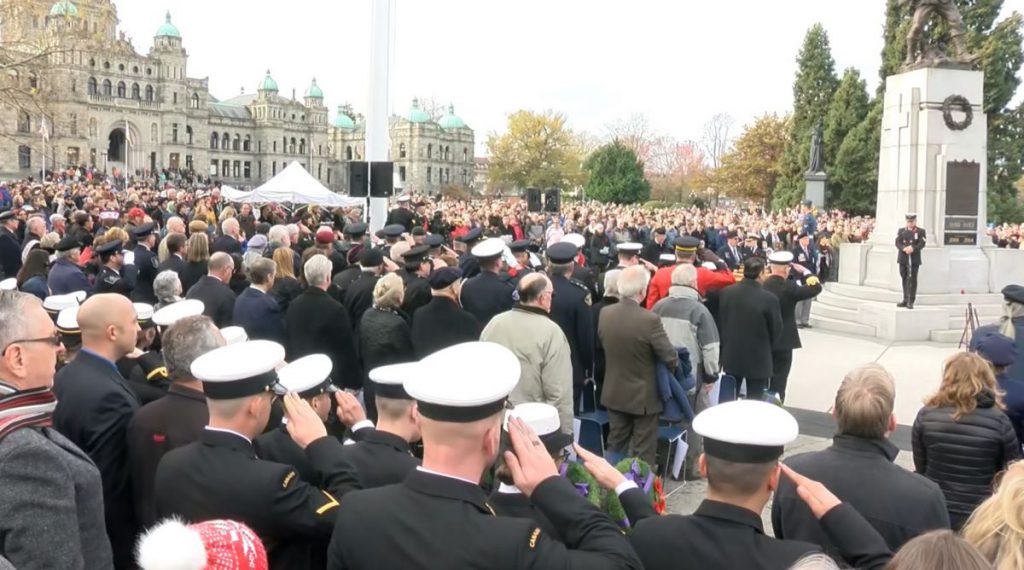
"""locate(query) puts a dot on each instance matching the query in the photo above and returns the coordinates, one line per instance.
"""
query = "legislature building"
(81, 95)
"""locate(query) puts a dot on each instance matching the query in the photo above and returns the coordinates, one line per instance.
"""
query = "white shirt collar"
(508, 489)
(439, 474)
(231, 431)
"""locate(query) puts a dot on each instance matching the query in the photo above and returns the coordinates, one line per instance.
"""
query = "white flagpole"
(43, 174)
(127, 153)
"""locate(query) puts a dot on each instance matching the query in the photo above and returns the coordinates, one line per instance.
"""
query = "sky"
(677, 62)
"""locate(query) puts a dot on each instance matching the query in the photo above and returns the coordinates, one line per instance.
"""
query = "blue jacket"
(36, 285)
(260, 315)
(673, 386)
(66, 277)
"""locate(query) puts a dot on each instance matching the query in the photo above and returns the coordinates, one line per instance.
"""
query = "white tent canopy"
(233, 194)
(295, 185)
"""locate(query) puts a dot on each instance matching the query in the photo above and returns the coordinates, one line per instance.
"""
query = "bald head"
(109, 325)
(535, 290)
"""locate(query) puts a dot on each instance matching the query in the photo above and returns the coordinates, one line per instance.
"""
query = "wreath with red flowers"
(640, 472)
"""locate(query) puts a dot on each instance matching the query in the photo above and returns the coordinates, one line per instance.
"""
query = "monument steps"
(842, 326)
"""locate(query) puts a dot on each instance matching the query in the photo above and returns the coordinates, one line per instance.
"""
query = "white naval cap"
(746, 431)
(629, 247)
(464, 383)
(234, 335)
(9, 284)
(575, 239)
(174, 312)
(388, 381)
(143, 313)
(56, 303)
(667, 257)
(781, 257)
(239, 370)
(404, 198)
(309, 376)
(542, 419)
(67, 321)
(492, 247)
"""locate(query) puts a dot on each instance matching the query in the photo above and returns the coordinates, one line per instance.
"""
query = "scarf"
(28, 408)
(1013, 311)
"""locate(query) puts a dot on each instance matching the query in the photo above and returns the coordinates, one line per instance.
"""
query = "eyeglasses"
(53, 340)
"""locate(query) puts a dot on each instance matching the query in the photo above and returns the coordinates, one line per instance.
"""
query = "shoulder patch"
(587, 300)
(533, 538)
(287, 479)
(155, 261)
(111, 279)
(330, 504)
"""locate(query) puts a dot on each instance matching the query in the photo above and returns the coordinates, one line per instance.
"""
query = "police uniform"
(436, 520)
(109, 280)
(392, 232)
(221, 477)
(570, 308)
(417, 289)
(747, 432)
(790, 292)
(468, 262)
(581, 272)
(146, 264)
(514, 274)
(487, 294)
(909, 264)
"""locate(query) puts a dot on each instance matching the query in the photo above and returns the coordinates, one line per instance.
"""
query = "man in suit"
(806, 256)
(51, 494)
(212, 289)
(789, 292)
(750, 322)
(443, 322)
(653, 250)
(145, 264)
(96, 405)
(255, 310)
(488, 294)
(10, 246)
(231, 239)
(730, 252)
(634, 342)
(175, 254)
(317, 324)
(175, 420)
(910, 241)
(570, 308)
(359, 293)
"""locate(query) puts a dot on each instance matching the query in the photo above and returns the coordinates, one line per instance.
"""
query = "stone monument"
(933, 162)
(815, 176)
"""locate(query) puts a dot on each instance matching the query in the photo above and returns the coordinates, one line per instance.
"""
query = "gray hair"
(55, 218)
(187, 340)
(816, 561)
(166, 286)
(611, 283)
(261, 270)
(633, 281)
(277, 233)
(317, 270)
(387, 293)
(228, 223)
(13, 311)
(685, 274)
(220, 260)
(69, 253)
(293, 230)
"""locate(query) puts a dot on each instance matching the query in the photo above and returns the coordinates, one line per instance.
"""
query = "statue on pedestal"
(920, 53)
(816, 164)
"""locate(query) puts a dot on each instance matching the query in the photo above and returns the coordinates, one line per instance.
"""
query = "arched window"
(106, 65)
(153, 133)
(149, 93)
(465, 154)
(24, 122)
(188, 134)
(430, 150)
(107, 88)
(291, 146)
(135, 91)
(213, 141)
(195, 100)
(225, 141)
(401, 150)
(236, 144)
(94, 86)
(121, 89)
(348, 153)
(247, 143)
(92, 62)
(284, 144)
(447, 153)
(302, 146)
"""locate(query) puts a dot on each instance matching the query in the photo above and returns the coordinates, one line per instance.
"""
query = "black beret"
(393, 230)
(371, 257)
(433, 240)
(444, 277)
(110, 247)
(472, 235)
(1014, 293)
(519, 246)
(562, 252)
(144, 230)
(356, 229)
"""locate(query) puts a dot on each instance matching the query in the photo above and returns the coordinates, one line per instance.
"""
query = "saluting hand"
(817, 496)
(304, 425)
(529, 461)
(605, 473)
(350, 412)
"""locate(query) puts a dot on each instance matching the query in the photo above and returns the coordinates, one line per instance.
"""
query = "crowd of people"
(191, 383)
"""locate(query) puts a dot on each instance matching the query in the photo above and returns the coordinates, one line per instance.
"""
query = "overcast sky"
(677, 61)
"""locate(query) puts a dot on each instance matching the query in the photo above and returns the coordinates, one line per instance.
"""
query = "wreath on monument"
(957, 103)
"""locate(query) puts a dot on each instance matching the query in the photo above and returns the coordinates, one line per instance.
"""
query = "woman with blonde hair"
(286, 286)
(197, 258)
(385, 336)
(938, 550)
(962, 438)
(996, 528)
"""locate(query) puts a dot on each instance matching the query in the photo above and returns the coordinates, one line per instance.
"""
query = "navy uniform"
(221, 477)
(442, 322)
(402, 215)
(146, 265)
(790, 292)
(10, 247)
(913, 237)
(468, 262)
(582, 273)
(417, 289)
(570, 308)
(358, 296)
(434, 519)
(757, 433)
(487, 294)
(516, 273)
(109, 279)
(392, 233)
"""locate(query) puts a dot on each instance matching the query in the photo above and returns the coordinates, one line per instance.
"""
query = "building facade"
(86, 97)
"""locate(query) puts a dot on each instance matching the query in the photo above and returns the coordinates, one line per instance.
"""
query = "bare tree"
(434, 108)
(636, 133)
(715, 140)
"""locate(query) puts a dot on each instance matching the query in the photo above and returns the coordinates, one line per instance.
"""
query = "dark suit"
(220, 477)
(634, 341)
(259, 314)
(750, 323)
(910, 264)
(417, 292)
(316, 323)
(789, 294)
(442, 323)
(732, 256)
(433, 521)
(486, 295)
(146, 265)
(10, 254)
(401, 216)
(379, 458)
(93, 411)
(171, 422)
(218, 299)
(227, 244)
(359, 296)
(570, 308)
(173, 263)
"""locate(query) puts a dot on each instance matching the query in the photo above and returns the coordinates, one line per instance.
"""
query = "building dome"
(450, 120)
(268, 83)
(417, 114)
(314, 91)
(64, 8)
(168, 29)
(343, 121)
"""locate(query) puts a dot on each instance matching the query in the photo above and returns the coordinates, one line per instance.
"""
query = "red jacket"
(707, 280)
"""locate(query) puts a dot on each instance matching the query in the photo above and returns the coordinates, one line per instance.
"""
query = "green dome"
(450, 121)
(268, 83)
(64, 8)
(314, 91)
(168, 29)
(343, 121)
(417, 114)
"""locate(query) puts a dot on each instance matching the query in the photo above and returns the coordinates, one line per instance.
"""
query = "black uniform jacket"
(146, 265)
(417, 292)
(487, 295)
(218, 299)
(434, 521)
(145, 375)
(442, 323)
(277, 446)
(379, 458)
(570, 308)
(220, 477)
(171, 422)
(519, 505)
(914, 238)
(110, 281)
(359, 296)
(317, 324)
(789, 294)
(750, 322)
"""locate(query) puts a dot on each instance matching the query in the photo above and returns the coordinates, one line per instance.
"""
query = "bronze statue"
(919, 51)
(817, 162)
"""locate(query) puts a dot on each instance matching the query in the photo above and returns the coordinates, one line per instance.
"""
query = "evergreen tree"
(815, 84)
(856, 169)
(850, 105)
(616, 175)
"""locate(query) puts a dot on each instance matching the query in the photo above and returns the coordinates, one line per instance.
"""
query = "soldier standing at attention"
(910, 241)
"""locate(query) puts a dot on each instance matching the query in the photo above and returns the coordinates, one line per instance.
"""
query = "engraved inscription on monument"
(962, 183)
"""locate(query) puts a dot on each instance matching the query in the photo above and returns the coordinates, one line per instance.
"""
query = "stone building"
(93, 100)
